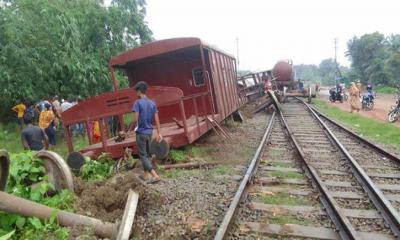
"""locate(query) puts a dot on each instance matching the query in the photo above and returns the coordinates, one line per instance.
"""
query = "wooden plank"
(346, 195)
(291, 230)
(273, 180)
(337, 184)
(295, 230)
(317, 151)
(333, 172)
(392, 187)
(385, 175)
(393, 197)
(282, 169)
(301, 192)
(125, 227)
(278, 161)
(288, 209)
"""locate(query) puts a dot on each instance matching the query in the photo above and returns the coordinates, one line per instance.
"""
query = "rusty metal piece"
(159, 149)
(190, 165)
(4, 168)
(57, 170)
(23, 207)
(242, 191)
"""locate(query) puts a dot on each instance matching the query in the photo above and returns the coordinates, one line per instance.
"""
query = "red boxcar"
(192, 83)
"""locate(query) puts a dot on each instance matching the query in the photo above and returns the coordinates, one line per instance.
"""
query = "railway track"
(313, 179)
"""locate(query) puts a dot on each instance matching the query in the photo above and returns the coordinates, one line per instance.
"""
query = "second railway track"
(351, 192)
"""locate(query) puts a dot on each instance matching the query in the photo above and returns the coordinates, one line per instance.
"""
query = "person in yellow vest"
(20, 109)
(46, 122)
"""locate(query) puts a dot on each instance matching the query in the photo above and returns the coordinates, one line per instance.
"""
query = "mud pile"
(106, 199)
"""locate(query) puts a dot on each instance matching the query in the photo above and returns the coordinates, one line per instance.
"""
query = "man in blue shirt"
(146, 114)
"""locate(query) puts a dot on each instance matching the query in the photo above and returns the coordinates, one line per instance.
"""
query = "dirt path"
(382, 105)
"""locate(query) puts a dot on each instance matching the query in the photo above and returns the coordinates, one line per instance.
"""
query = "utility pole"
(335, 51)
(336, 63)
(237, 51)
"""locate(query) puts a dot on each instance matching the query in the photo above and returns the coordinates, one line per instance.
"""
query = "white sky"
(301, 30)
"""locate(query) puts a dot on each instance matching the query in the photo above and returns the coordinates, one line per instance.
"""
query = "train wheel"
(75, 161)
(4, 169)
(159, 149)
(57, 170)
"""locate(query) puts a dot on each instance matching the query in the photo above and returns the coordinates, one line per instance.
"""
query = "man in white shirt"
(66, 105)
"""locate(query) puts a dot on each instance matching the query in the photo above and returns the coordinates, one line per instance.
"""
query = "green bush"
(26, 170)
(386, 89)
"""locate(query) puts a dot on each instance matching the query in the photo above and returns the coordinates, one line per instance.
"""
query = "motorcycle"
(394, 112)
(367, 102)
(335, 95)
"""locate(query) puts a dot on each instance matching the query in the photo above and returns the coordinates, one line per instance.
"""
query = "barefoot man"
(354, 98)
(146, 113)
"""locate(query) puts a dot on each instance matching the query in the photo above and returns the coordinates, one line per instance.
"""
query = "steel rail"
(342, 223)
(384, 207)
(358, 137)
(251, 170)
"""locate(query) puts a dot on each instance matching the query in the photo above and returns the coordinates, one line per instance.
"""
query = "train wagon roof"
(158, 48)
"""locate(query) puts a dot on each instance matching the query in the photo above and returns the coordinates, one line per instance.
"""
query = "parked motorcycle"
(367, 102)
(394, 112)
(335, 95)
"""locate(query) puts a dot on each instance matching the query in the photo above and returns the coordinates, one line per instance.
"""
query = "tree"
(367, 55)
(327, 70)
(307, 72)
(63, 47)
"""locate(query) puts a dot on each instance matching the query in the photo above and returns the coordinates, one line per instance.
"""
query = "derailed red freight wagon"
(193, 84)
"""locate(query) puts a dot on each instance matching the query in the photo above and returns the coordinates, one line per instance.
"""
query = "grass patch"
(278, 174)
(10, 140)
(185, 154)
(284, 199)
(385, 89)
(197, 152)
(376, 130)
(178, 156)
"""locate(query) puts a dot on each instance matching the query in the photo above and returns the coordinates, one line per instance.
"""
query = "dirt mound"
(106, 199)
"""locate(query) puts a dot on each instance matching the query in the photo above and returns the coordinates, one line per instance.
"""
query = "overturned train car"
(193, 84)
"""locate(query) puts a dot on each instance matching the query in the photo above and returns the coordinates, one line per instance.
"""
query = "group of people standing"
(47, 114)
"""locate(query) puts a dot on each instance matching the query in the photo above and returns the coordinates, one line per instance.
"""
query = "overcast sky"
(301, 30)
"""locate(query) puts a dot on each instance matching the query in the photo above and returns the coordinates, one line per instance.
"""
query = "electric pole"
(336, 63)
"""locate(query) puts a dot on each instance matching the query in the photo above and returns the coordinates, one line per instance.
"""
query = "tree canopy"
(62, 47)
(375, 59)
(326, 72)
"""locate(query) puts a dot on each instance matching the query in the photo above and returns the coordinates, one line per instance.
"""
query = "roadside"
(383, 102)
(382, 133)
